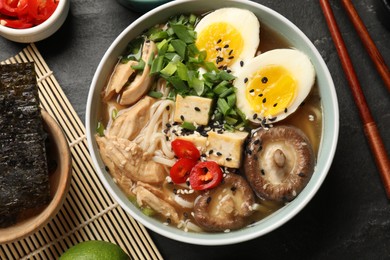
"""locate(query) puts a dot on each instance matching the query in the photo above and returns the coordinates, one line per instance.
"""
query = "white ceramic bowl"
(41, 31)
(297, 40)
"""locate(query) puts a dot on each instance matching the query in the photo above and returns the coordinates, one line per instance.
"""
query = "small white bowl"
(41, 31)
(297, 39)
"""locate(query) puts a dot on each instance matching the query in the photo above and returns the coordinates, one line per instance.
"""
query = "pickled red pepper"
(21, 14)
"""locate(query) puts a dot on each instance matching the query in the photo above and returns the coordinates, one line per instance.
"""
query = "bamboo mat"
(88, 213)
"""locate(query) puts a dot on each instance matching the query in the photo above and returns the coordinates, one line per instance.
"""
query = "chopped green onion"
(155, 94)
(180, 47)
(188, 126)
(223, 106)
(182, 71)
(157, 65)
(231, 99)
(182, 33)
(114, 113)
(223, 75)
(221, 87)
(230, 120)
(100, 129)
(177, 83)
(139, 66)
(226, 92)
(169, 69)
(148, 211)
(158, 36)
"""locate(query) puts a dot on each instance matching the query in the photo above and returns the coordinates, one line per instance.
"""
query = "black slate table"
(349, 217)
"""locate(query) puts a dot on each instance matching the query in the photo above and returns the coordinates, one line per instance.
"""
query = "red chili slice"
(185, 149)
(26, 13)
(205, 175)
(181, 170)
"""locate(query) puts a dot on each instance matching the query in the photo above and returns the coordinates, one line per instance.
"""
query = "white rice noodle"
(151, 135)
(164, 161)
(182, 202)
(193, 227)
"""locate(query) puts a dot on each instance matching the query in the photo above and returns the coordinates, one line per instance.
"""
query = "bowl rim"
(281, 216)
(62, 4)
(34, 223)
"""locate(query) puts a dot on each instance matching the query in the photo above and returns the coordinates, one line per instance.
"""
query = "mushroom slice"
(279, 162)
(142, 82)
(226, 206)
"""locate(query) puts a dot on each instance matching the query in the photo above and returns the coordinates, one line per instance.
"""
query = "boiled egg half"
(230, 36)
(274, 84)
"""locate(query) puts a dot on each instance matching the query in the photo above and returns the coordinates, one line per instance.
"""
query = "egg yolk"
(271, 90)
(222, 42)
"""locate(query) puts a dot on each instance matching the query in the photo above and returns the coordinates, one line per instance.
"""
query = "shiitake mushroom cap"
(279, 162)
(226, 206)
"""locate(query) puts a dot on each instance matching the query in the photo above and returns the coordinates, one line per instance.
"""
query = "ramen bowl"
(297, 40)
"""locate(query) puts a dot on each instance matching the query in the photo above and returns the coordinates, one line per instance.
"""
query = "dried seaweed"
(24, 180)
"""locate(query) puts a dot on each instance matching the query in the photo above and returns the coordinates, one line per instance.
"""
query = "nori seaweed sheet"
(24, 178)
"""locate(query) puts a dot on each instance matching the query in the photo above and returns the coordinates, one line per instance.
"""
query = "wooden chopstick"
(368, 43)
(370, 129)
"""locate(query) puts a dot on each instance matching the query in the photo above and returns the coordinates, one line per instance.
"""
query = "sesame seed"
(211, 151)
(262, 171)
(233, 188)
(260, 95)
(219, 59)
(241, 63)
(218, 49)
(272, 119)
(208, 200)
(167, 108)
(230, 52)
(285, 110)
(264, 80)
(197, 109)
(275, 104)
(231, 57)
(226, 46)
(228, 159)
(182, 117)
(254, 116)
(219, 41)
(245, 81)
(219, 154)
(264, 100)
(252, 90)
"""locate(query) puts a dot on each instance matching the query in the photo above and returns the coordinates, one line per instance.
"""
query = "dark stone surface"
(349, 218)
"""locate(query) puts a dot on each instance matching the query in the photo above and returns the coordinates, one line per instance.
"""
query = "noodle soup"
(203, 132)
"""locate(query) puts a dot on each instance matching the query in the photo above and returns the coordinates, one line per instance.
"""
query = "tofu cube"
(199, 141)
(227, 148)
(192, 109)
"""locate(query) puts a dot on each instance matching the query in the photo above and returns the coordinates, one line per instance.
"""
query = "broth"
(308, 118)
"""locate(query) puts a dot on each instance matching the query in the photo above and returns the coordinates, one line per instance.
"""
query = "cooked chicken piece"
(144, 196)
(142, 82)
(130, 121)
(119, 78)
(129, 159)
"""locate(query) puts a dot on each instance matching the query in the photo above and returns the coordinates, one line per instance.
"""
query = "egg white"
(245, 22)
(296, 63)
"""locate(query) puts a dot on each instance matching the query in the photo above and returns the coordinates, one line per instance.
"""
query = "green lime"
(95, 250)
